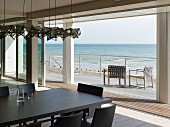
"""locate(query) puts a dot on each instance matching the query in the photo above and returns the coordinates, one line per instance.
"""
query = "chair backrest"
(103, 117)
(69, 121)
(94, 90)
(4, 91)
(28, 88)
(116, 71)
(148, 71)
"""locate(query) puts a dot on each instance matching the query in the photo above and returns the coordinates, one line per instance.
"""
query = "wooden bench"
(115, 72)
(141, 74)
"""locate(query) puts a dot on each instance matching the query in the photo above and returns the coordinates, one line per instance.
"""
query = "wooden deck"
(124, 117)
(133, 91)
(144, 105)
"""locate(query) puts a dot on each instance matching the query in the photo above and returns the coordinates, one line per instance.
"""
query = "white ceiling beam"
(85, 7)
(97, 7)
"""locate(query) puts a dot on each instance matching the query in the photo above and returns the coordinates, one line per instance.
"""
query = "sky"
(132, 30)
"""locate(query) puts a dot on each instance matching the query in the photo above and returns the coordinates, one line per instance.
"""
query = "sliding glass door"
(21, 56)
(40, 62)
(15, 58)
(10, 57)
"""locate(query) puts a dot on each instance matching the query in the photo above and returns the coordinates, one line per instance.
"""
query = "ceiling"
(81, 10)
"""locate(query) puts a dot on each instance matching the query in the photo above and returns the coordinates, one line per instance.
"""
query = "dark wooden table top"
(44, 104)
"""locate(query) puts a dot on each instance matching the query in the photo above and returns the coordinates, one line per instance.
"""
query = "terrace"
(93, 73)
(20, 61)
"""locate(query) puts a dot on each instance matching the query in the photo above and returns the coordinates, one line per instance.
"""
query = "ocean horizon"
(91, 56)
(142, 50)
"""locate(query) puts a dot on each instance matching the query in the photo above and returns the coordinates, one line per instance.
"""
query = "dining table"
(44, 104)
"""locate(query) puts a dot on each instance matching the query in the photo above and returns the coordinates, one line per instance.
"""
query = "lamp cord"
(23, 10)
(49, 13)
(4, 12)
(71, 8)
(55, 13)
(31, 9)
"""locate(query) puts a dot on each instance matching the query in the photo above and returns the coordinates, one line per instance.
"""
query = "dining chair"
(89, 89)
(4, 91)
(73, 120)
(103, 117)
(28, 88)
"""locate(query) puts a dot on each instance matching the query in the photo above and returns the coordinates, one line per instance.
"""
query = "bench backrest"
(116, 71)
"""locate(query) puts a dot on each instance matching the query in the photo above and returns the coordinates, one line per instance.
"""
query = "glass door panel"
(10, 57)
(39, 62)
(21, 58)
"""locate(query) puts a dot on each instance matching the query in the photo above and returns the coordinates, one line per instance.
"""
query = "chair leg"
(125, 82)
(35, 121)
(84, 117)
(52, 121)
(152, 81)
(119, 82)
(129, 80)
(108, 81)
(104, 77)
(104, 80)
(144, 82)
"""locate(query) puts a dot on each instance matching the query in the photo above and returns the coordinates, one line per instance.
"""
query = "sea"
(96, 57)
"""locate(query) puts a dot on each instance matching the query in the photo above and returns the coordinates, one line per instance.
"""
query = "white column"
(32, 58)
(35, 61)
(68, 58)
(43, 71)
(20, 54)
(163, 55)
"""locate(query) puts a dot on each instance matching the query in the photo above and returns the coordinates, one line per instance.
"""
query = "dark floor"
(120, 120)
(144, 105)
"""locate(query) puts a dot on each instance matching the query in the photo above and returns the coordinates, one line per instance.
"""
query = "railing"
(96, 63)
